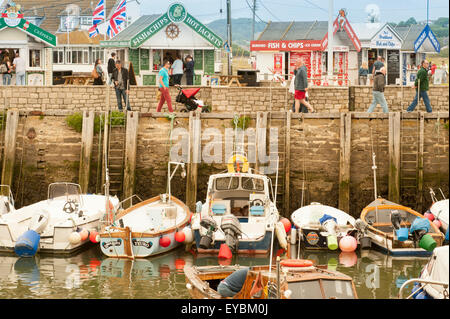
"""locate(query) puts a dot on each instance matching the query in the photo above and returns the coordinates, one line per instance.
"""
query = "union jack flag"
(99, 13)
(98, 17)
(93, 31)
(117, 19)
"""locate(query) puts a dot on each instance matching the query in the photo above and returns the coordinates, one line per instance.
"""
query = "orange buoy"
(94, 237)
(225, 252)
(287, 224)
(164, 242)
(180, 236)
(430, 216)
(348, 244)
(296, 263)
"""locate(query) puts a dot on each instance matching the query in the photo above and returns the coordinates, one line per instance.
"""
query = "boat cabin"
(240, 194)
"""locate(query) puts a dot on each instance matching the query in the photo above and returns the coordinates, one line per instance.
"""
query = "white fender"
(281, 235)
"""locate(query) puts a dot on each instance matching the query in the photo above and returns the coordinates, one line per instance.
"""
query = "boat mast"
(374, 167)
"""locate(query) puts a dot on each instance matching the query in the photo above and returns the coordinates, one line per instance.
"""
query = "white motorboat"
(316, 231)
(433, 281)
(238, 212)
(62, 223)
(149, 228)
(6, 200)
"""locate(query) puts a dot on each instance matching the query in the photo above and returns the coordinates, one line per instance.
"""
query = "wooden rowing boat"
(315, 282)
(377, 215)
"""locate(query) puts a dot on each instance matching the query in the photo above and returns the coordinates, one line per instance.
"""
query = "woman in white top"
(177, 70)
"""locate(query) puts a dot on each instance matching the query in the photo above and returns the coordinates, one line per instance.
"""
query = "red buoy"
(164, 242)
(287, 224)
(180, 236)
(225, 252)
(94, 237)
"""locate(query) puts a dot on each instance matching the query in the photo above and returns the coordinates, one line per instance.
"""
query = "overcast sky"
(287, 10)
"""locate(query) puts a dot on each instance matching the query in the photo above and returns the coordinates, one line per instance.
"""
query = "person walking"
(377, 65)
(379, 82)
(363, 73)
(301, 86)
(190, 63)
(111, 66)
(19, 67)
(98, 72)
(303, 108)
(6, 70)
(421, 85)
(164, 87)
(121, 81)
(177, 70)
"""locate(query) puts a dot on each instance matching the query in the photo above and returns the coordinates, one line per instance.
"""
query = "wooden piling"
(287, 163)
(194, 155)
(87, 137)
(130, 154)
(394, 156)
(344, 162)
(12, 122)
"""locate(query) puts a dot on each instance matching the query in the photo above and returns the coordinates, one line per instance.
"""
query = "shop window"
(86, 21)
(35, 58)
(79, 56)
(98, 53)
(58, 56)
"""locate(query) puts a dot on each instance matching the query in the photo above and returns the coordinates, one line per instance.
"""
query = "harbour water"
(91, 275)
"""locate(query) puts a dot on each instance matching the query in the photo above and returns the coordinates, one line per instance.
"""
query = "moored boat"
(322, 227)
(63, 223)
(151, 227)
(399, 230)
(238, 213)
(296, 279)
(433, 281)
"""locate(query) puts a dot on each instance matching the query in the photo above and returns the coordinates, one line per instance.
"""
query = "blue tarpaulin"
(420, 223)
(326, 217)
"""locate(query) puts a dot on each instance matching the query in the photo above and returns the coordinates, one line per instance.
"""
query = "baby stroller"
(187, 97)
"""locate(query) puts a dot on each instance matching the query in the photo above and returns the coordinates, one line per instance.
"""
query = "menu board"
(145, 59)
(133, 56)
(294, 56)
(393, 65)
(209, 61)
(149, 79)
(198, 59)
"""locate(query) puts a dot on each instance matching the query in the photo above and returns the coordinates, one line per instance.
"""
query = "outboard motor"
(396, 219)
(211, 227)
(28, 243)
(364, 240)
(329, 223)
(232, 230)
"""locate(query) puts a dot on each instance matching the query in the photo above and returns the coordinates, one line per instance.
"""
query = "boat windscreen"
(227, 183)
(253, 184)
(67, 190)
(305, 289)
(338, 289)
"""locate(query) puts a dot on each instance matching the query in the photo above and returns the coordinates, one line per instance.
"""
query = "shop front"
(277, 51)
(33, 44)
(153, 38)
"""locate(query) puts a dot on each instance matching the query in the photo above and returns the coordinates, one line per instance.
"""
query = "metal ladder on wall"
(409, 160)
(116, 152)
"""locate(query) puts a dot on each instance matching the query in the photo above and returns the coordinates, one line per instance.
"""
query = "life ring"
(296, 263)
(234, 159)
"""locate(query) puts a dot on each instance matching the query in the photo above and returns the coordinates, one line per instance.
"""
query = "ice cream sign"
(385, 39)
(306, 45)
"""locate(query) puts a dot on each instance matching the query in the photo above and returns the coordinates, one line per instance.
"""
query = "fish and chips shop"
(33, 44)
(153, 38)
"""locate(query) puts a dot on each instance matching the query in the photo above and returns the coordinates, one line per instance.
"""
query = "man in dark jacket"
(379, 82)
(111, 66)
(121, 84)
(301, 86)
(421, 85)
(189, 70)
